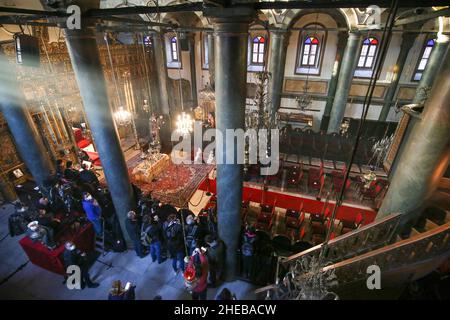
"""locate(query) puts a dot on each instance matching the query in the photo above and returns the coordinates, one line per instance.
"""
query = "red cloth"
(51, 260)
(83, 143)
(94, 157)
(78, 134)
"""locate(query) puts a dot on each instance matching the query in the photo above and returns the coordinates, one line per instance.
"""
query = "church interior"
(121, 180)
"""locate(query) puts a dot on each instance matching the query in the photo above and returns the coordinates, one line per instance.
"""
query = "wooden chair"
(295, 222)
(294, 176)
(316, 178)
(265, 219)
(350, 226)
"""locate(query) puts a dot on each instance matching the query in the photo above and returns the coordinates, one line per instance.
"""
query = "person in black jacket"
(70, 173)
(133, 226)
(191, 231)
(88, 176)
(175, 242)
(155, 232)
(73, 256)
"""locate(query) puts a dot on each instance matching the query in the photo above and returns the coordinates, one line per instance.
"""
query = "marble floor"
(22, 280)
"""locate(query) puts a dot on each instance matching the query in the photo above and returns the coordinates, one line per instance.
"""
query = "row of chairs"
(325, 146)
(296, 226)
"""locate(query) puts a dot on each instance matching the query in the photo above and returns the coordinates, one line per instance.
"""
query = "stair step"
(429, 225)
(447, 216)
(413, 233)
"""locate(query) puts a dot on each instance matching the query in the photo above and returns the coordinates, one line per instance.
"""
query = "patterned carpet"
(176, 184)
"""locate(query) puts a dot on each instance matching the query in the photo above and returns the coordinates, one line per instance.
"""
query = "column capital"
(230, 20)
(279, 32)
(354, 34)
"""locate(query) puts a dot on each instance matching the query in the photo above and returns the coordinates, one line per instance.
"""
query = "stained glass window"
(368, 52)
(174, 49)
(424, 59)
(310, 51)
(258, 47)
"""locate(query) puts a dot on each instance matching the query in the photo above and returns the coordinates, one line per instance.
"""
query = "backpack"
(146, 239)
(191, 235)
(172, 231)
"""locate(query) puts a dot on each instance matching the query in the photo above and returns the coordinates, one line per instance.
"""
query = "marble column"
(161, 70)
(426, 82)
(26, 136)
(230, 53)
(426, 153)
(342, 41)
(211, 59)
(407, 43)
(85, 60)
(349, 62)
(277, 61)
(191, 43)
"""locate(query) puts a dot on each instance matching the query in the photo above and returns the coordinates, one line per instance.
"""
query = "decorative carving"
(396, 142)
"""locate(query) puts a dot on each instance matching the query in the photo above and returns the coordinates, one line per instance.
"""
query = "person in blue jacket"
(93, 212)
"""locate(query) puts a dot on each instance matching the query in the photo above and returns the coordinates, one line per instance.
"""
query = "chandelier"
(184, 123)
(306, 279)
(122, 117)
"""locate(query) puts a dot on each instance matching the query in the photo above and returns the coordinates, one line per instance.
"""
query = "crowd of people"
(157, 230)
(189, 241)
(67, 198)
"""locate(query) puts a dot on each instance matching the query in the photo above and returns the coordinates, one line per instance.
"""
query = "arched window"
(310, 51)
(258, 48)
(424, 60)
(174, 49)
(205, 64)
(368, 52)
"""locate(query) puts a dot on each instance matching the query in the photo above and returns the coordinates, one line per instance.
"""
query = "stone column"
(191, 41)
(161, 70)
(349, 62)
(426, 153)
(407, 43)
(426, 82)
(26, 136)
(342, 41)
(230, 48)
(211, 59)
(277, 60)
(85, 60)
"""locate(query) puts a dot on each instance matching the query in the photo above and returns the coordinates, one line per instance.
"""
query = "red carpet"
(285, 201)
(176, 184)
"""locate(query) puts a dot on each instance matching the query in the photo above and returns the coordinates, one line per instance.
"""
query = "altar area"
(170, 183)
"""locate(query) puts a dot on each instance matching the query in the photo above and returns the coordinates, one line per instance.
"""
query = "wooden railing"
(423, 247)
(367, 238)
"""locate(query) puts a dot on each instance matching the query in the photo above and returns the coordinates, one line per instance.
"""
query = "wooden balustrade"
(432, 244)
(364, 239)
